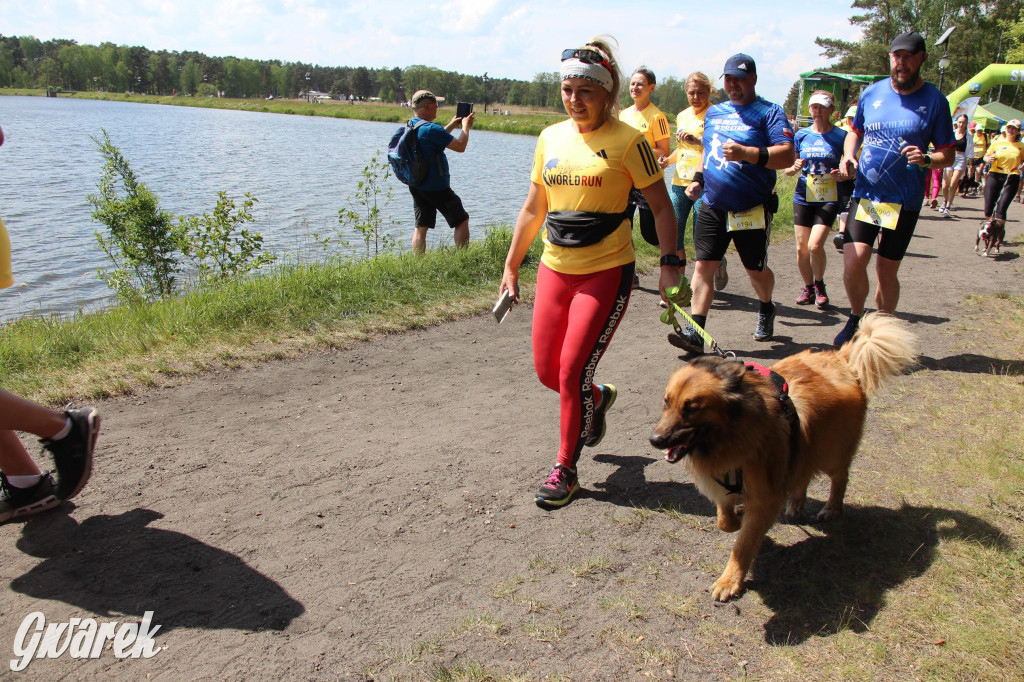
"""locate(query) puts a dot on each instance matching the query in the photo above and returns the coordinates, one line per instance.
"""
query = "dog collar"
(732, 488)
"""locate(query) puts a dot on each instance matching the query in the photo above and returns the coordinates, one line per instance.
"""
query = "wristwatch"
(928, 160)
(671, 259)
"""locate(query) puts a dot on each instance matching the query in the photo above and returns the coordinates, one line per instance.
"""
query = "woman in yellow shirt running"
(688, 153)
(1006, 154)
(583, 169)
(646, 117)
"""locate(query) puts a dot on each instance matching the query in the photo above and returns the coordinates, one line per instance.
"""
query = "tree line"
(27, 62)
(987, 32)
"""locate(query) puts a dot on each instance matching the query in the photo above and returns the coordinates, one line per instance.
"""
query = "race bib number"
(880, 213)
(751, 219)
(689, 163)
(821, 189)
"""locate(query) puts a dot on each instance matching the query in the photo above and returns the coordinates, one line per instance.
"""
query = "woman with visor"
(816, 199)
(583, 169)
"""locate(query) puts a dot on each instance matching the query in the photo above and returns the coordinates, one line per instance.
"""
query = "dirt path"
(368, 513)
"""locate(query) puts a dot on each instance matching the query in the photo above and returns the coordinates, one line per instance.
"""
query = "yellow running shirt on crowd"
(980, 142)
(688, 155)
(651, 122)
(1009, 155)
(6, 279)
(592, 172)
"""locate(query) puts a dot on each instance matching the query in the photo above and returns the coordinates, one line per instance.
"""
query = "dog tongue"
(673, 455)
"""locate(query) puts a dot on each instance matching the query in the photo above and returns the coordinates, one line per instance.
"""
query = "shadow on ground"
(628, 486)
(823, 584)
(826, 584)
(117, 565)
(971, 363)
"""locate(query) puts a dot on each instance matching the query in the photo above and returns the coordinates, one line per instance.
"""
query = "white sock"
(24, 481)
(63, 432)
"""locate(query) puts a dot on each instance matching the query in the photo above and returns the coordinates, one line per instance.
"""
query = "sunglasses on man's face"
(586, 55)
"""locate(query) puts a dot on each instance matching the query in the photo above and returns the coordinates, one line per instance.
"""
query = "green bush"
(142, 241)
(216, 246)
(148, 250)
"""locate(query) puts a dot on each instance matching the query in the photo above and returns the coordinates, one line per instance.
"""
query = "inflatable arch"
(989, 77)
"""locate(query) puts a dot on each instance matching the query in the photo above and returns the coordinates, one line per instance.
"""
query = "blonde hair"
(603, 43)
(700, 79)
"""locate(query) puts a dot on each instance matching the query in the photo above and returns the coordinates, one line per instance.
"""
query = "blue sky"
(504, 39)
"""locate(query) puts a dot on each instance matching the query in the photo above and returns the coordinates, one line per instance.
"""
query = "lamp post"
(486, 98)
(944, 60)
(307, 88)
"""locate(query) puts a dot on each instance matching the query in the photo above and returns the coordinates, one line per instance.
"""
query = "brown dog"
(739, 425)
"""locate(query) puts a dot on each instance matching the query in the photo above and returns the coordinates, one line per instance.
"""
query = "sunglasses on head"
(587, 55)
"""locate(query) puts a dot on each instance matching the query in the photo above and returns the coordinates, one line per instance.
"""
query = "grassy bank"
(286, 310)
(520, 123)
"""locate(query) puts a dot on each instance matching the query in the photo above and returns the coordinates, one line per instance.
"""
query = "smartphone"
(503, 305)
(463, 109)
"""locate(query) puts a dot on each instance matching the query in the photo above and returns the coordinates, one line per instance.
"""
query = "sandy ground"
(369, 513)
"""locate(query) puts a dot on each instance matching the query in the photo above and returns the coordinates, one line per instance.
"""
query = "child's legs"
(19, 414)
(14, 459)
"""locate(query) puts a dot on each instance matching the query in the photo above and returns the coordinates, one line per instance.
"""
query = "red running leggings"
(574, 318)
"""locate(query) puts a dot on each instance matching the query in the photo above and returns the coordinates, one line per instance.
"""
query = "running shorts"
(894, 243)
(711, 240)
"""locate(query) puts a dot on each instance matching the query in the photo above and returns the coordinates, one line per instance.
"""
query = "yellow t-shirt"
(651, 122)
(6, 279)
(592, 172)
(979, 145)
(1009, 155)
(687, 156)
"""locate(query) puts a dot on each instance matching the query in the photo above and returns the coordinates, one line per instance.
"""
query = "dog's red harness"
(780, 383)
(787, 410)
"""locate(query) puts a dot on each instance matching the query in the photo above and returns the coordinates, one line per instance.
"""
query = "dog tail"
(882, 347)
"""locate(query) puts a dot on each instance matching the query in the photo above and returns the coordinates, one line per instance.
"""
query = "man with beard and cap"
(896, 121)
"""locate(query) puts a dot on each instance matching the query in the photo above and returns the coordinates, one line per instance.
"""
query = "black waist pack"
(580, 228)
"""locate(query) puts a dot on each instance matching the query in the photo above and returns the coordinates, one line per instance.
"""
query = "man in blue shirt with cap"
(896, 121)
(746, 140)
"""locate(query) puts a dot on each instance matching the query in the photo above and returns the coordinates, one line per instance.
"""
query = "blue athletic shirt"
(433, 140)
(889, 121)
(821, 154)
(732, 185)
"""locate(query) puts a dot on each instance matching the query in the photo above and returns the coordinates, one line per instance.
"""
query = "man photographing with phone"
(435, 193)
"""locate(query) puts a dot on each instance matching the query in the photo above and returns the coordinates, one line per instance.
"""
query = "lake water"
(301, 169)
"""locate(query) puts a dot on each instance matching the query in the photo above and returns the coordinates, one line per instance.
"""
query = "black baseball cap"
(740, 66)
(911, 41)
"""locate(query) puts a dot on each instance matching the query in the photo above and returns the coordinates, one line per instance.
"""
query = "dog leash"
(677, 298)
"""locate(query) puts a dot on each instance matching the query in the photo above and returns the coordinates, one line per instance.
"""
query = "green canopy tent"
(993, 115)
(845, 87)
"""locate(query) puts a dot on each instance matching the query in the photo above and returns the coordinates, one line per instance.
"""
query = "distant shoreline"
(517, 122)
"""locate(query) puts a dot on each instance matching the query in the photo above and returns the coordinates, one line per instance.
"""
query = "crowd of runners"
(870, 172)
